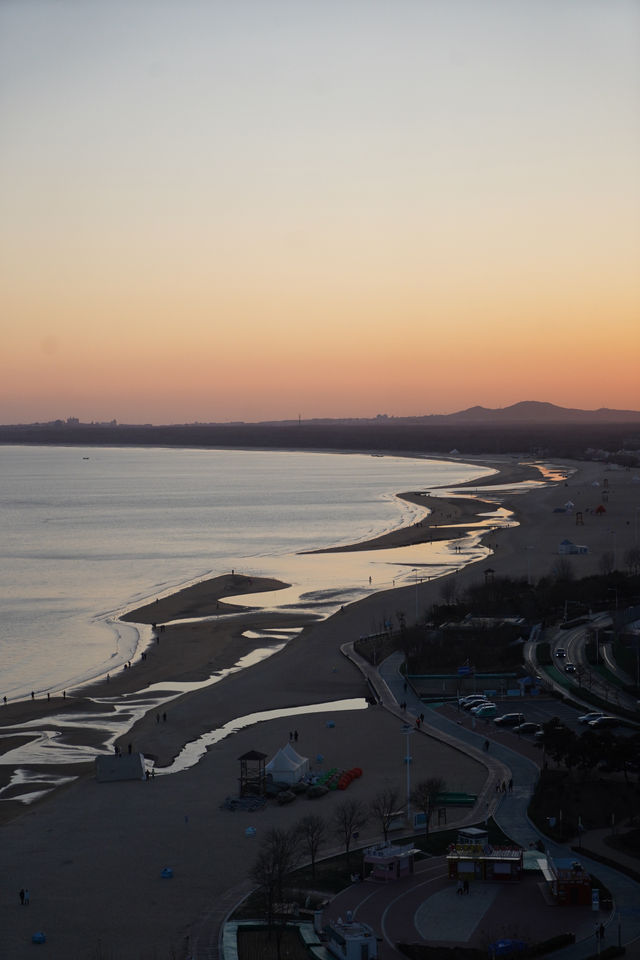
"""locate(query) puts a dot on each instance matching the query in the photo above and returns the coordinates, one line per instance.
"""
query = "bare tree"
(277, 857)
(606, 562)
(349, 817)
(383, 807)
(632, 559)
(312, 832)
(423, 796)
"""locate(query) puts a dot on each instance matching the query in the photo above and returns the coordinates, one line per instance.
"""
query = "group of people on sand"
(24, 897)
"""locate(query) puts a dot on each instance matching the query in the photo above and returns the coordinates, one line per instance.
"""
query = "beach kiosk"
(388, 861)
(350, 940)
(472, 857)
(569, 881)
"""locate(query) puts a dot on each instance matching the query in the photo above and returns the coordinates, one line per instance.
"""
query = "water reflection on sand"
(193, 752)
(344, 577)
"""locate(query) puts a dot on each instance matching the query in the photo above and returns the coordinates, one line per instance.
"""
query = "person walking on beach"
(465, 886)
(26, 897)
(21, 895)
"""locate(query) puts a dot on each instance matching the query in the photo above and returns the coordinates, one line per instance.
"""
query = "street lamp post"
(415, 573)
(407, 730)
(528, 550)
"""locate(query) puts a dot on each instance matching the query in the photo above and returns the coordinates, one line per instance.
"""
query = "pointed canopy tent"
(288, 766)
(292, 753)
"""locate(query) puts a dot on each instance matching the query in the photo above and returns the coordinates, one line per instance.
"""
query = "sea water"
(90, 531)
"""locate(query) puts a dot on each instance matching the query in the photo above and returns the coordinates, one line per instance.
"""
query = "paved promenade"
(510, 810)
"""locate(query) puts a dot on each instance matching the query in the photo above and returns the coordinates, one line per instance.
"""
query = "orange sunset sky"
(254, 209)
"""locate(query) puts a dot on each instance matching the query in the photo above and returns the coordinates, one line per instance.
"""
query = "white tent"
(287, 766)
(295, 756)
(122, 766)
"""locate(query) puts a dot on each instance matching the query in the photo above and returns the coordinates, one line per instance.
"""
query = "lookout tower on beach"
(252, 774)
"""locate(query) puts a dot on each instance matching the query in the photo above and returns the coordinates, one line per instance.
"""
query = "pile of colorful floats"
(312, 787)
(319, 785)
(337, 780)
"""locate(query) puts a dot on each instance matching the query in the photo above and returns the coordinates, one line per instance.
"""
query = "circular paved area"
(426, 908)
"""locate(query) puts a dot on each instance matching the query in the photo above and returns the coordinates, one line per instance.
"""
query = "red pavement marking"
(391, 905)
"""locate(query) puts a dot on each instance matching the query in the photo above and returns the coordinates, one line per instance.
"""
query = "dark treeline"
(536, 439)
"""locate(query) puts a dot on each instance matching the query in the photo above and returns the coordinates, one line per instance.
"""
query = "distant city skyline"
(520, 412)
(258, 209)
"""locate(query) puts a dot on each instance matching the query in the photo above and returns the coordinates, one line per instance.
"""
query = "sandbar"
(92, 853)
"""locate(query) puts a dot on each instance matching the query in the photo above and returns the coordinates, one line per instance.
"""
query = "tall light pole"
(528, 550)
(407, 730)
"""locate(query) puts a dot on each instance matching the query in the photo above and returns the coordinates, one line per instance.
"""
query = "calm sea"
(87, 532)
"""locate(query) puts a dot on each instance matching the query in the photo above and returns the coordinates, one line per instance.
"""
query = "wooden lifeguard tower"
(253, 776)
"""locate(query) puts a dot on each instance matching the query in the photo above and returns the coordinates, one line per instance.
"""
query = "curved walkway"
(509, 811)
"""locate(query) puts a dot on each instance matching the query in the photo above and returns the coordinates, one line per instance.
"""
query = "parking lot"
(538, 710)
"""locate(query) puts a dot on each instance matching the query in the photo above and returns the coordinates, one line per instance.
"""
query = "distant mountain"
(534, 411)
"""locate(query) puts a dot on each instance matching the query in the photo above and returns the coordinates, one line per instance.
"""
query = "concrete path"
(510, 810)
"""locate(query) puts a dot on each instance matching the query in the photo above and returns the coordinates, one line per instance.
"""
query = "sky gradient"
(254, 209)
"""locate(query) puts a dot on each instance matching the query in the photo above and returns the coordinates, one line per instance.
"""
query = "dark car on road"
(527, 727)
(510, 719)
(600, 722)
(588, 717)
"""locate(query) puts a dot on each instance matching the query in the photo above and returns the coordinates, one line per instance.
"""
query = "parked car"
(569, 668)
(561, 652)
(588, 717)
(472, 696)
(470, 704)
(481, 705)
(604, 722)
(527, 727)
(510, 719)
(486, 710)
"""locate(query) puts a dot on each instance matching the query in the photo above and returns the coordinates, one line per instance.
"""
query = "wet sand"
(92, 853)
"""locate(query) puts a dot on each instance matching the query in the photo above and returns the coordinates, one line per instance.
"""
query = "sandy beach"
(91, 853)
